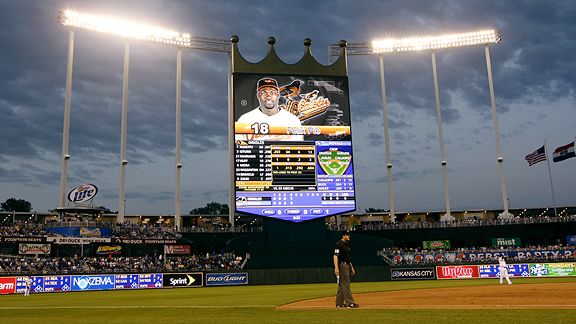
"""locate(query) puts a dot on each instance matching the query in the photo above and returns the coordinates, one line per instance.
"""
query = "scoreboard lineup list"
(271, 175)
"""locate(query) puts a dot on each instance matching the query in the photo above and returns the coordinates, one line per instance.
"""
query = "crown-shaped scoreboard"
(292, 136)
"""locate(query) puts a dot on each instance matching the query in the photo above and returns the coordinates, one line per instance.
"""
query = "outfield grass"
(254, 304)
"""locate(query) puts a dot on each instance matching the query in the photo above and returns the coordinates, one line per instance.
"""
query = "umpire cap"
(346, 232)
(267, 83)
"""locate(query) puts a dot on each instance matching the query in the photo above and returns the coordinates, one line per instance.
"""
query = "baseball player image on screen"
(269, 114)
(503, 270)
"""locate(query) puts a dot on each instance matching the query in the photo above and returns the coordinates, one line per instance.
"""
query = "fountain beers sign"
(457, 272)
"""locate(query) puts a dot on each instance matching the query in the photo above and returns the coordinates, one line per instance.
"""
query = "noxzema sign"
(104, 282)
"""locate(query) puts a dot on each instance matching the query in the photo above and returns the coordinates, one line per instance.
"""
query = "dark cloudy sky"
(534, 75)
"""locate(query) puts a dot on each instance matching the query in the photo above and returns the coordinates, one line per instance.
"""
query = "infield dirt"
(515, 296)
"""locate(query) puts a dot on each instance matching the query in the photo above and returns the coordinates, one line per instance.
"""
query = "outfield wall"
(484, 271)
(131, 281)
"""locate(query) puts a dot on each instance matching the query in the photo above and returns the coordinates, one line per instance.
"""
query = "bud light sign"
(82, 283)
(82, 193)
(226, 279)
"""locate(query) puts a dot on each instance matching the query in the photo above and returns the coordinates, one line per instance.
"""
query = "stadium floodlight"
(412, 44)
(382, 47)
(129, 30)
(123, 28)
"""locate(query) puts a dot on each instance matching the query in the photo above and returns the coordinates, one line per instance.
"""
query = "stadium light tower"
(432, 44)
(130, 30)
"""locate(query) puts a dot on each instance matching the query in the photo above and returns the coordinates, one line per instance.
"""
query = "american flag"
(537, 156)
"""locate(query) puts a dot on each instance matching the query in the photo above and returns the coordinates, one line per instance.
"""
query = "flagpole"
(550, 176)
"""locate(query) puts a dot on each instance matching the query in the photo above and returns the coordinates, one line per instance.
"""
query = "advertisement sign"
(457, 272)
(8, 239)
(7, 285)
(126, 281)
(109, 249)
(77, 240)
(176, 249)
(144, 241)
(32, 248)
(92, 282)
(412, 273)
(553, 269)
(82, 193)
(183, 279)
(570, 239)
(150, 280)
(226, 279)
(438, 244)
(90, 232)
(510, 241)
(514, 270)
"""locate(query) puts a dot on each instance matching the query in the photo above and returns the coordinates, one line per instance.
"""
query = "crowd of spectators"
(457, 223)
(206, 262)
(536, 253)
(79, 265)
(22, 229)
(124, 230)
(131, 230)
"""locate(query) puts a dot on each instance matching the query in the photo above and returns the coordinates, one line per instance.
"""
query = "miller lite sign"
(82, 193)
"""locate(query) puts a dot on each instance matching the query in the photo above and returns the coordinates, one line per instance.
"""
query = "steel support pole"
(66, 128)
(123, 161)
(387, 140)
(447, 216)
(178, 136)
(505, 214)
(231, 147)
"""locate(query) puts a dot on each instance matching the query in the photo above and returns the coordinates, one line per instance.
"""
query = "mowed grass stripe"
(255, 304)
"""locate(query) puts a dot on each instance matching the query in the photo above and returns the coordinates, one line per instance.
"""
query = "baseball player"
(27, 285)
(343, 269)
(503, 269)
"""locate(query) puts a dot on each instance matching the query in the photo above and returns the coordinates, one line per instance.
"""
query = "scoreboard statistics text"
(292, 147)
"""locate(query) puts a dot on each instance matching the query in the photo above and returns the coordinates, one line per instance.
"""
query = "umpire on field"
(343, 269)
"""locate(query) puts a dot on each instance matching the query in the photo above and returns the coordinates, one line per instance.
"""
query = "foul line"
(286, 307)
(134, 307)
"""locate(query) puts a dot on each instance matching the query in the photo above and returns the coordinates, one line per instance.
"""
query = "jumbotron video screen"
(293, 146)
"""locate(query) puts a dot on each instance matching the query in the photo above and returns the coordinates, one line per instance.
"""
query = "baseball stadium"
(291, 245)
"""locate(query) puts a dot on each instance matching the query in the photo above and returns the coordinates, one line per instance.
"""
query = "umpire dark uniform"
(343, 269)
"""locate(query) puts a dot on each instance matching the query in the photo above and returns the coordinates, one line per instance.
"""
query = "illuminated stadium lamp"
(412, 44)
(123, 28)
(129, 30)
(433, 43)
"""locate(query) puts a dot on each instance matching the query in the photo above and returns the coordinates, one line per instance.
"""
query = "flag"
(537, 156)
(563, 152)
